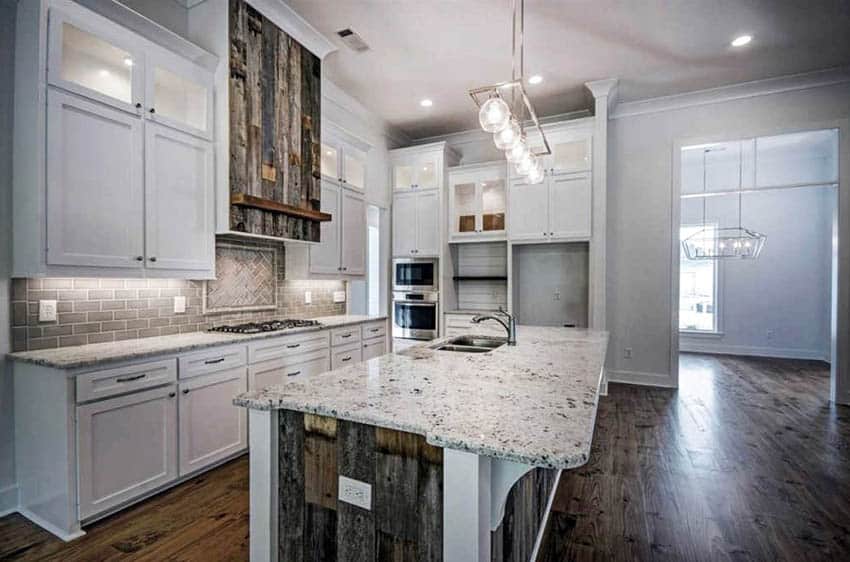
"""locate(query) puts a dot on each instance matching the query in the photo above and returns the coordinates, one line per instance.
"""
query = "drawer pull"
(373, 330)
(132, 378)
(213, 361)
(185, 391)
(293, 345)
(346, 358)
(172, 394)
(292, 374)
(348, 335)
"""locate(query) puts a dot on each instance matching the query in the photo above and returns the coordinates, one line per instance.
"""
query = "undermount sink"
(471, 344)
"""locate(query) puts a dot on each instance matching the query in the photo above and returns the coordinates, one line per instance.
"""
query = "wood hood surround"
(275, 127)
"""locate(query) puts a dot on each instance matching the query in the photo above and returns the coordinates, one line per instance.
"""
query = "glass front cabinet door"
(179, 94)
(478, 202)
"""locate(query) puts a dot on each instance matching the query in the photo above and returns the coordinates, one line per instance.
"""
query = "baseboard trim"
(8, 500)
(661, 380)
(752, 351)
(50, 527)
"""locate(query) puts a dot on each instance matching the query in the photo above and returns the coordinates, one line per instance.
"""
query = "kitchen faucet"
(509, 326)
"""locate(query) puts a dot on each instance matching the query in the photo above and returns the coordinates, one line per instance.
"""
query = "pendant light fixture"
(503, 107)
(723, 243)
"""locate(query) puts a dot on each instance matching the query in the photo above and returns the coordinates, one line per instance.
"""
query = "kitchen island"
(425, 454)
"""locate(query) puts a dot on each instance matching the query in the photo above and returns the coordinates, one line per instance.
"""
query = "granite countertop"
(533, 403)
(97, 354)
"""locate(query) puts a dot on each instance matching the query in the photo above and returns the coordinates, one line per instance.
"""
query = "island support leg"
(263, 483)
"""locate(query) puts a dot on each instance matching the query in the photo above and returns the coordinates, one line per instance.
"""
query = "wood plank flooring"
(746, 461)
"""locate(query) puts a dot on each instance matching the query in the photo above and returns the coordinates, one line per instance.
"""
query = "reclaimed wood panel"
(406, 475)
(513, 540)
(275, 127)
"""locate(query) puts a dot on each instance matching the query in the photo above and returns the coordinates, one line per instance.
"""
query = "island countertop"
(533, 403)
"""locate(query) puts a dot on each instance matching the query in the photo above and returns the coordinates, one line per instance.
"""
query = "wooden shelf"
(480, 278)
(243, 200)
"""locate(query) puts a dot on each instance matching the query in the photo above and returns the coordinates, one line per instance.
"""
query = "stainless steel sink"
(471, 344)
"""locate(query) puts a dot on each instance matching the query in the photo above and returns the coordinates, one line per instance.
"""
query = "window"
(697, 289)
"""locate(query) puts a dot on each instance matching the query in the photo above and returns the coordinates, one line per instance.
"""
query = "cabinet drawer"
(374, 347)
(346, 355)
(282, 370)
(345, 335)
(120, 380)
(373, 329)
(286, 346)
(211, 361)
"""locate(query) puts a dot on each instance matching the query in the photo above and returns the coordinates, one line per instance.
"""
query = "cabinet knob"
(140, 258)
(185, 391)
(172, 394)
(138, 106)
(152, 110)
(152, 258)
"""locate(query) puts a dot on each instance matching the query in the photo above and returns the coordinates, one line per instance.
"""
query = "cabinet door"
(569, 207)
(427, 224)
(403, 175)
(324, 257)
(374, 348)
(570, 154)
(425, 172)
(329, 162)
(178, 93)
(179, 231)
(529, 214)
(354, 168)
(281, 371)
(404, 224)
(353, 231)
(126, 447)
(211, 427)
(464, 209)
(94, 184)
(346, 355)
(493, 206)
(95, 58)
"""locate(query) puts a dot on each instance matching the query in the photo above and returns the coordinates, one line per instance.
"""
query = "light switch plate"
(308, 297)
(179, 305)
(47, 311)
(339, 296)
(355, 492)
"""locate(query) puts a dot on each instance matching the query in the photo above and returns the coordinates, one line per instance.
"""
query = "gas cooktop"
(270, 326)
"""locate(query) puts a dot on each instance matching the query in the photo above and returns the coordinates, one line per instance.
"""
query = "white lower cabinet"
(211, 427)
(280, 371)
(126, 447)
(374, 348)
(345, 355)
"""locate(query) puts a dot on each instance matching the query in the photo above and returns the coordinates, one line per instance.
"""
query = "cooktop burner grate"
(270, 326)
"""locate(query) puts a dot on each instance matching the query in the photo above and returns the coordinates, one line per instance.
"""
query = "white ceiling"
(439, 49)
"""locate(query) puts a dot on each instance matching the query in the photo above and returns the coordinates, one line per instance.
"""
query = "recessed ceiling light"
(426, 103)
(536, 79)
(741, 40)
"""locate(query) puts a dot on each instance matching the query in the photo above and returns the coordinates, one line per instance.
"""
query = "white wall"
(8, 493)
(167, 13)
(787, 289)
(640, 212)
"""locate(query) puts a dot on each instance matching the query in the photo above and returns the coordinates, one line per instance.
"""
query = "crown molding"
(743, 90)
(608, 88)
(188, 4)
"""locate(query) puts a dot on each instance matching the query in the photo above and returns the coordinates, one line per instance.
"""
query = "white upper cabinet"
(178, 200)
(343, 160)
(529, 214)
(477, 203)
(94, 184)
(571, 152)
(416, 224)
(419, 171)
(404, 224)
(557, 209)
(178, 93)
(93, 57)
(114, 174)
(342, 250)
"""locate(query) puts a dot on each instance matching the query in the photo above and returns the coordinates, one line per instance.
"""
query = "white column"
(262, 482)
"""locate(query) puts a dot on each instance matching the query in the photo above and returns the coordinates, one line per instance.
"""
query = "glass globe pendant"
(508, 137)
(494, 115)
(517, 152)
(526, 164)
(536, 174)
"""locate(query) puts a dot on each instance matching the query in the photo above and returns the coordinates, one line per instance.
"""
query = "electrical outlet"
(47, 311)
(308, 297)
(557, 294)
(771, 334)
(627, 353)
(179, 305)
(355, 492)
(339, 296)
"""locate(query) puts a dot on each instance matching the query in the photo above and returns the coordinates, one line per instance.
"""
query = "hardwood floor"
(746, 461)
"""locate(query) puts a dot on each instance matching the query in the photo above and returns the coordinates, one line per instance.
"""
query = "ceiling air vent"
(352, 40)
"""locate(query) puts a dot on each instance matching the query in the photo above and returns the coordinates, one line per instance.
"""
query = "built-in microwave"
(415, 314)
(415, 274)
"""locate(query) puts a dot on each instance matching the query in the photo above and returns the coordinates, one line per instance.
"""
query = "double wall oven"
(415, 298)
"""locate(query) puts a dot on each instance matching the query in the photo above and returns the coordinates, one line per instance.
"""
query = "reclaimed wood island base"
(423, 455)
(427, 503)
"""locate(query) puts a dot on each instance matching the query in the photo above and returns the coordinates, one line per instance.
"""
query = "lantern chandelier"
(504, 107)
(723, 243)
